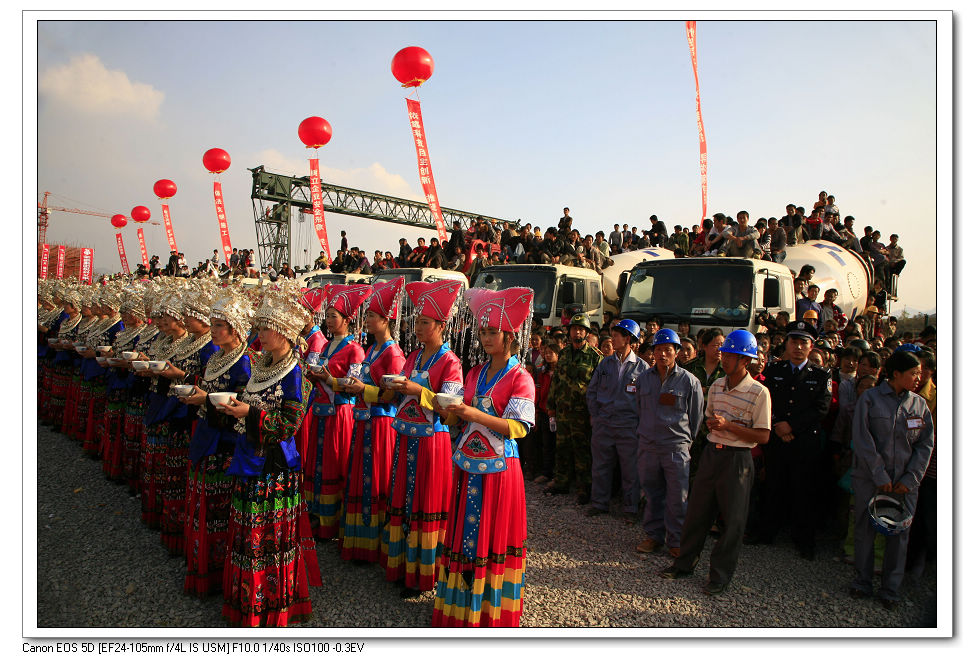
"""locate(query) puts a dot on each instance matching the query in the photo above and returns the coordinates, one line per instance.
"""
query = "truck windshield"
(409, 275)
(699, 293)
(541, 281)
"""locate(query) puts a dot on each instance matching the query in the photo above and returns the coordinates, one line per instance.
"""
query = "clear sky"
(522, 118)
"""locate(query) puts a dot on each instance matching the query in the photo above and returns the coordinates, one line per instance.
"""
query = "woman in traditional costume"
(103, 334)
(184, 367)
(120, 380)
(482, 566)
(330, 431)
(160, 406)
(76, 420)
(212, 446)
(366, 496)
(65, 357)
(137, 390)
(420, 488)
(49, 318)
(269, 541)
(311, 352)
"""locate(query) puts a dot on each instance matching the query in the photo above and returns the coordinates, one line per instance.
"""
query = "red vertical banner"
(87, 263)
(170, 236)
(692, 44)
(142, 248)
(121, 253)
(45, 257)
(222, 221)
(423, 163)
(59, 268)
(317, 208)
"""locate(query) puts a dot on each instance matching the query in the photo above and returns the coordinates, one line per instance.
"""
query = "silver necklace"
(68, 325)
(264, 374)
(192, 346)
(127, 336)
(222, 361)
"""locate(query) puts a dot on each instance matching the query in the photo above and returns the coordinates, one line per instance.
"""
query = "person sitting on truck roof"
(741, 240)
(616, 239)
(777, 240)
(678, 240)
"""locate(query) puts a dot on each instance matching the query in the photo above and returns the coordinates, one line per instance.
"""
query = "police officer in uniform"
(567, 400)
(801, 394)
(612, 397)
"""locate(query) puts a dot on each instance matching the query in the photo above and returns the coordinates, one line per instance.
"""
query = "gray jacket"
(610, 404)
(663, 425)
(892, 437)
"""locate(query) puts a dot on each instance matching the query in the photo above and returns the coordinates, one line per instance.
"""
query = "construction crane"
(42, 216)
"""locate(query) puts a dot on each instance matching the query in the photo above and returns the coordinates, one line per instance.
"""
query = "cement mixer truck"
(731, 292)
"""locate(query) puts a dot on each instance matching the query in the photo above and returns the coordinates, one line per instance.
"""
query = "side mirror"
(770, 293)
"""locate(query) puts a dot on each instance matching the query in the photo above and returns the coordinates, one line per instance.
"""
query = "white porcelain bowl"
(80, 349)
(392, 379)
(130, 356)
(315, 367)
(103, 349)
(140, 365)
(116, 362)
(343, 381)
(157, 366)
(447, 399)
(101, 360)
(51, 341)
(221, 397)
(182, 390)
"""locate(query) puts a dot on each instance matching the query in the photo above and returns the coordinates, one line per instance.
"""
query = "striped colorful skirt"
(91, 410)
(208, 492)
(133, 433)
(114, 436)
(45, 389)
(153, 460)
(366, 496)
(264, 574)
(325, 467)
(417, 519)
(72, 406)
(173, 519)
(60, 378)
(483, 586)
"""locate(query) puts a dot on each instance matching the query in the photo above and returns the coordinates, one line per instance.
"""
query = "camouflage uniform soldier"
(567, 401)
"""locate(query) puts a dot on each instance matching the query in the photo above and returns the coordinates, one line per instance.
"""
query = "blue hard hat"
(909, 347)
(628, 326)
(666, 337)
(742, 342)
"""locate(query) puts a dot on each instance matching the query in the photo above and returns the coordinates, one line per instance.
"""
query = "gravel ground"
(99, 567)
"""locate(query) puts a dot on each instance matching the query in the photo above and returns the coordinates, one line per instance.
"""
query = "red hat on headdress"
(385, 296)
(506, 310)
(346, 299)
(313, 298)
(434, 299)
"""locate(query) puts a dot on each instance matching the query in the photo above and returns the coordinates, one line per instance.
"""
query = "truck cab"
(708, 292)
(412, 274)
(555, 286)
(319, 278)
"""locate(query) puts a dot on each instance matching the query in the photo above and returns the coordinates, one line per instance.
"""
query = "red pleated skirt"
(325, 469)
(362, 533)
(418, 504)
(208, 492)
(485, 590)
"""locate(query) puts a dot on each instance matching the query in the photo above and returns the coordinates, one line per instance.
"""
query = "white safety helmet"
(888, 514)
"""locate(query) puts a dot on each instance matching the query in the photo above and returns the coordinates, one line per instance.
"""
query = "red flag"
(318, 209)
(45, 256)
(121, 253)
(222, 221)
(170, 236)
(59, 269)
(692, 43)
(142, 248)
(87, 263)
(423, 163)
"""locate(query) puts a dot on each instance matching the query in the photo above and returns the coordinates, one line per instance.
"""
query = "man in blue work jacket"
(671, 406)
(611, 398)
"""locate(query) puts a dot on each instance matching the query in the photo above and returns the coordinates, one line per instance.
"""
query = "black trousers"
(923, 544)
(792, 484)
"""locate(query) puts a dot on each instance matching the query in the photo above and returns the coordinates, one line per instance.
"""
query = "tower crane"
(43, 210)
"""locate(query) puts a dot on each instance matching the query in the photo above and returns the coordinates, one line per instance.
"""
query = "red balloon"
(216, 161)
(118, 221)
(314, 132)
(164, 188)
(140, 214)
(412, 66)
